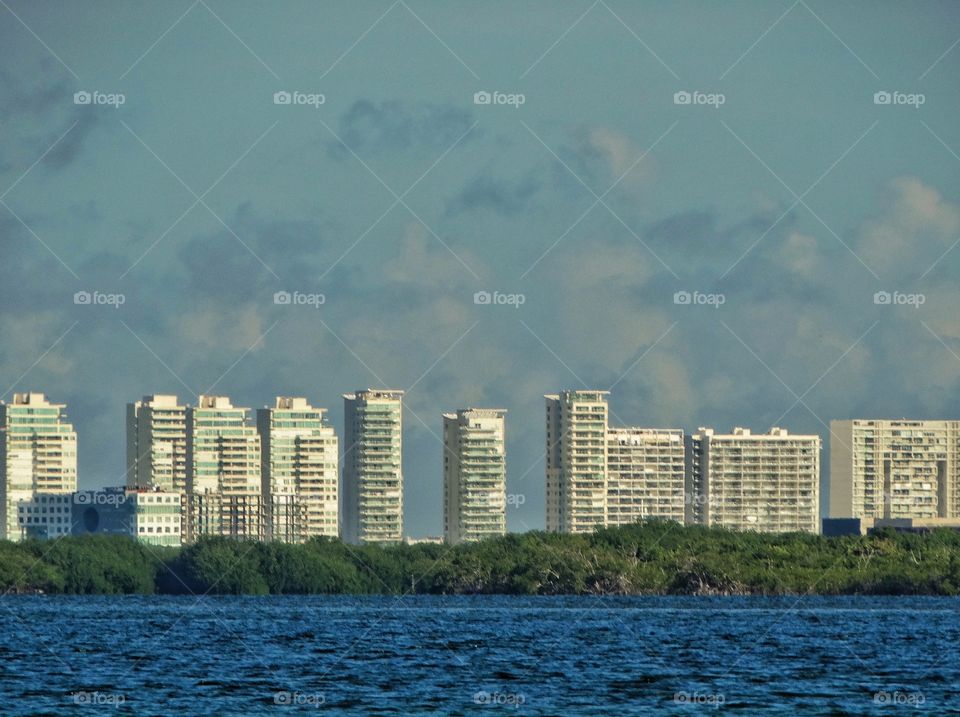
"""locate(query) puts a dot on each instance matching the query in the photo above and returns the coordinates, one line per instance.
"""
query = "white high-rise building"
(223, 471)
(576, 460)
(766, 482)
(894, 469)
(474, 474)
(372, 467)
(645, 475)
(157, 444)
(38, 454)
(300, 470)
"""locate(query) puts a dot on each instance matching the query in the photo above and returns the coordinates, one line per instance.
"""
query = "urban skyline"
(282, 476)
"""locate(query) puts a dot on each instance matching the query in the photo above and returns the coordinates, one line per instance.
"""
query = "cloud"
(799, 255)
(505, 196)
(601, 155)
(370, 128)
(917, 216)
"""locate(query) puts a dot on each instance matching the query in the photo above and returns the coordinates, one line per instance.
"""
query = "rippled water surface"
(478, 655)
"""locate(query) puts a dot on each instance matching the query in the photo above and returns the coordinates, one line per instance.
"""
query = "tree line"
(650, 558)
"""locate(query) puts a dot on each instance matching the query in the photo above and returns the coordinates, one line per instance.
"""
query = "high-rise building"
(38, 454)
(223, 471)
(474, 474)
(645, 475)
(765, 482)
(157, 444)
(894, 469)
(576, 460)
(299, 470)
(372, 467)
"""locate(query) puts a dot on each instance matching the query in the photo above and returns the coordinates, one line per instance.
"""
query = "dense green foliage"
(650, 558)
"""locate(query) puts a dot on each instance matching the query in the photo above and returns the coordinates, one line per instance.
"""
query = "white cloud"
(917, 225)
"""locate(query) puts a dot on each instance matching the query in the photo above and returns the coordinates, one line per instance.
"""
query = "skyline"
(714, 263)
(913, 484)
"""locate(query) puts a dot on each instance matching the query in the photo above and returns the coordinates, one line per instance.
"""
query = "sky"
(588, 198)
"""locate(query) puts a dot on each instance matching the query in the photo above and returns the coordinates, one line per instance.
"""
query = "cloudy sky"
(783, 196)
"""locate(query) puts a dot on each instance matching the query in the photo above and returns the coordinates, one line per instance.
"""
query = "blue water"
(478, 655)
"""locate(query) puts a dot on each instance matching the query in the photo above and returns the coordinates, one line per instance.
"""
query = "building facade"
(152, 517)
(894, 469)
(645, 475)
(46, 516)
(474, 474)
(765, 482)
(300, 476)
(157, 444)
(576, 461)
(223, 472)
(372, 467)
(38, 454)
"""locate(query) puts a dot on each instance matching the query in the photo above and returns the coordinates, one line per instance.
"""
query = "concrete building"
(373, 467)
(152, 517)
(894, 469)
(46, 516)
(576, 461)
(223, 472)
(38, 454)
(765, 482)
(157, 516)
(227, 515)
(645, 475)
(157, 444)
(299, 453)
(474, 474)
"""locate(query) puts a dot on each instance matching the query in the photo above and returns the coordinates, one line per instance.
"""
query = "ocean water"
(478, 655)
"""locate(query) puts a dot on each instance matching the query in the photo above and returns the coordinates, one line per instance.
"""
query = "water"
(478, 655)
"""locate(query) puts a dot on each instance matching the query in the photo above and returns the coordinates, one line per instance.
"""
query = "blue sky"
(397, 198)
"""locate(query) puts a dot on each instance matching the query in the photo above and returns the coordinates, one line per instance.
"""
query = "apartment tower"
(38, 454)
(894, 469)
(157, 444)
(576, 460)
(765, 482)
(223, 471)
(645, 475)
(299, 459)
(372, 467)
(474, 474)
